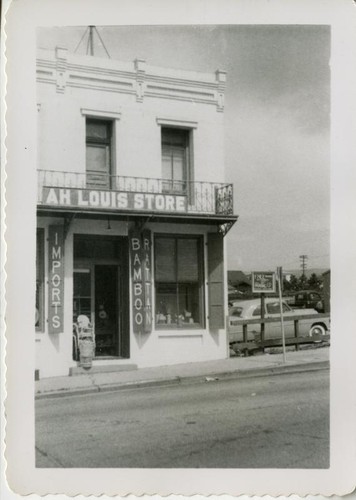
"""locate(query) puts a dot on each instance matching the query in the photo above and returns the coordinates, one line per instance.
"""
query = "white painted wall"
(61, 124)
(61, 136)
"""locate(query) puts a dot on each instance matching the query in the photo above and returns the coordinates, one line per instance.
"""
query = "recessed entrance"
(106, 310)
(100, 291)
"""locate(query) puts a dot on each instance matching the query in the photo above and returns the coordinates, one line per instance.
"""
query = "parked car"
(306, 299)
(251, 309)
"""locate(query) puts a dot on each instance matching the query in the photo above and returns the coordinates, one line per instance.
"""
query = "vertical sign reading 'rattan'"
(141, 274)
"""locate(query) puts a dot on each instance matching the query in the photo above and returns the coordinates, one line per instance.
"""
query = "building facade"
(131, 214)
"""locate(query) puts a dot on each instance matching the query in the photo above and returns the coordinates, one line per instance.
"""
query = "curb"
(140, 384)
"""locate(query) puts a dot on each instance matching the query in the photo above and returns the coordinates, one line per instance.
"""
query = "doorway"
(107, 310)
(100, 292)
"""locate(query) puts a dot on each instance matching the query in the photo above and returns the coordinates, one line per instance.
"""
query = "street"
(276, 421)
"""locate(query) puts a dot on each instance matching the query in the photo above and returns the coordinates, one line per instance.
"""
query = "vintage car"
(251, 309)
(307, 299)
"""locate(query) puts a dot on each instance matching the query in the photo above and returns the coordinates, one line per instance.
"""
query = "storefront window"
(39, 280)
(178, 281)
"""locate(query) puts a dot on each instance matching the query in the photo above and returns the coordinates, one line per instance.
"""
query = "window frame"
(187, 148)
(200, 282)
(105, 143)
(40, 268)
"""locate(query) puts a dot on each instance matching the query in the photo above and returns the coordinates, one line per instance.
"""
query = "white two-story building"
(131, 215)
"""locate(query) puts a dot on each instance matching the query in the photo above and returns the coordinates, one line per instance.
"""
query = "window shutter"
(216, 280)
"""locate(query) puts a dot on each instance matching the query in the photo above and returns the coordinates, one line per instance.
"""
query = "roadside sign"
(263, 282)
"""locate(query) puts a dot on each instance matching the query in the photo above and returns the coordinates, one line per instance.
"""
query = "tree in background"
(290, 285)
(315, 282)
(303, 282)
(295, 284)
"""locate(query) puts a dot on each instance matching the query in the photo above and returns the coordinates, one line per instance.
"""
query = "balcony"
(101, 193)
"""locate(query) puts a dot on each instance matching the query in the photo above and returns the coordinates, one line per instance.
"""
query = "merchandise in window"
(178, 281)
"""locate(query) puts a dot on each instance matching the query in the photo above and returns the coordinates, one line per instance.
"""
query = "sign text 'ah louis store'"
(93, 198)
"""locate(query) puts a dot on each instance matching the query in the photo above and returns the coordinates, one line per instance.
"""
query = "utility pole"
(303, 263)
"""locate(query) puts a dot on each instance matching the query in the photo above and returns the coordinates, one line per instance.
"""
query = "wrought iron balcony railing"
(112, 192)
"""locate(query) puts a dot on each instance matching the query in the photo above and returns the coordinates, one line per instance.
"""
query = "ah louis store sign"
(113, 200)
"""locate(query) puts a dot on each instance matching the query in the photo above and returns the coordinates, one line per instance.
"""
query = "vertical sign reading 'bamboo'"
(55, 279)
(141, 274)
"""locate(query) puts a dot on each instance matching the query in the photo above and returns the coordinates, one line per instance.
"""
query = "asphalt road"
(268, 422)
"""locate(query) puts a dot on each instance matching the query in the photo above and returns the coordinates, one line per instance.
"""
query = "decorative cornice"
(100, 113)
(66, 70)
(61, 69)
(140, 67)
(176, 123)
(221, 79)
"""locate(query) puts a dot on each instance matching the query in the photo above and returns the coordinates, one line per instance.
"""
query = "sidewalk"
(307, 359)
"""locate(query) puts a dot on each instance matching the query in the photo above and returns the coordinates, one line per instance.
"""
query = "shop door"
(107, 310)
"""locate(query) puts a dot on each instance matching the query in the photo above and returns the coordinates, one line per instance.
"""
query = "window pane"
(273, 308)
(177, 281)
(166, 304)
(165, 259)
(188, 266)
(236, 311)
(174, 137)
(97, 130)
(188, 303)
(166, 165)
(175, 143)
(257, 311)
(97, 158)
(178, 165)
(81, 284)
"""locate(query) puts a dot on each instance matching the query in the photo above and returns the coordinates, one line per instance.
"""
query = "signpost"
(263, 282)
(280, 288)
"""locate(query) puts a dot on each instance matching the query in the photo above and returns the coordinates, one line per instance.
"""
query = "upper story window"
(98, 153)
(176, 164)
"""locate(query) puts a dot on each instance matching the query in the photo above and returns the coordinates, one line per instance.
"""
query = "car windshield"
(235, 311)
(274, 308)
(257, 311)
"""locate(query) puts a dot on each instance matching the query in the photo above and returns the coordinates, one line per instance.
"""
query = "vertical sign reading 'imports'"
(55, 279)
(141, 272)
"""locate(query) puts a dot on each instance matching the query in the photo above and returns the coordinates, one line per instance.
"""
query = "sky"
(277, 130)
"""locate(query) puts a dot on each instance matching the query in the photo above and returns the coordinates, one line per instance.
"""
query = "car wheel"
(317, 330)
